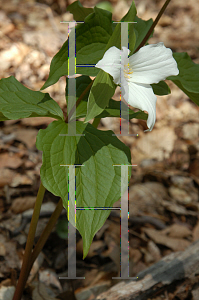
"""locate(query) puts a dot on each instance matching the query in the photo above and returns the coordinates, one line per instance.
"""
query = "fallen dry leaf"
(156, 144)
(159, 238)
(36, 121)
(146, 198)
(22, 204)
(2, 249)
(11, 259)
(40, 292)
(50, 278)
(7, 292)
(154, 251)
(6, 177)
(10, 160)
(36, 266)
(196, 232)
(179, 195)
(177, 231)
(20, 180)
(27, 136)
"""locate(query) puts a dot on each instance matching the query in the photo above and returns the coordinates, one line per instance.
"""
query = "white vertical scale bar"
(71, 78)
(124, 110)
(124, 274)
(124, 224)
(71, 228)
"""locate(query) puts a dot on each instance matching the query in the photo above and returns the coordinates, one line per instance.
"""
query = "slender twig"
(78, 101)
(96, 122)
(153, 25)
(47, 230)
(42, 240)
(29, 245)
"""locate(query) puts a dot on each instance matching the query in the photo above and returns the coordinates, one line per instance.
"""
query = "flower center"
(127, 71)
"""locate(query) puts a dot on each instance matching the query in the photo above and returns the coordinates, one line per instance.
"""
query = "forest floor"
(163, 193)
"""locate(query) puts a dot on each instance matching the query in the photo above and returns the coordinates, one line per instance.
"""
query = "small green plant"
(144, 69)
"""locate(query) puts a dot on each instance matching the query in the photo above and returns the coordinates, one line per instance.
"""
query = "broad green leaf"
(81, 109)
(141, 28)
(97, 182)
(2, 117)
(101, 91)
(17, 102)
(79, 12)
(193, 96)
(161, 88)
(188, 78)
(115, 39)
(105, 5)
(81, 84)
(92, 37)
(113, 110)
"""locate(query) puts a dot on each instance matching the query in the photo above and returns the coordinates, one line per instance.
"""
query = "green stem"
(45, 234)
(153, 25)
(78, 101)
(29, 245)
(43, 238)
(96, 122)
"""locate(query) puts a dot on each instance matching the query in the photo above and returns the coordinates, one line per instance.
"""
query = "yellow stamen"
(127, 71)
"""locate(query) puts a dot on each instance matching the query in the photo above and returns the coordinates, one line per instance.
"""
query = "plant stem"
(43, 238)
(96, 122)
(45, 234)
(29, 245)
(78, 101)
(153, 25)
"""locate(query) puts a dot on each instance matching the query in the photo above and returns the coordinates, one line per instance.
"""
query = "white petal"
(152, 63)
(124, 55)
(113, 63)
(141, 96)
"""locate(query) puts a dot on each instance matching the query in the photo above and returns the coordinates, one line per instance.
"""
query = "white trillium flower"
(151, 64)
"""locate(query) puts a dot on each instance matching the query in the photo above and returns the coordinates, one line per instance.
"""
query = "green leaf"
(188, 77)
(81, 109)
(141, 28)
(81, 84)
(161, 88)
(102, 90)
(91, 39)
(2, 117)
(17, 102)
(115, 39)
(113, 110)
(105, 5)
(97, 182)
(79, 12)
